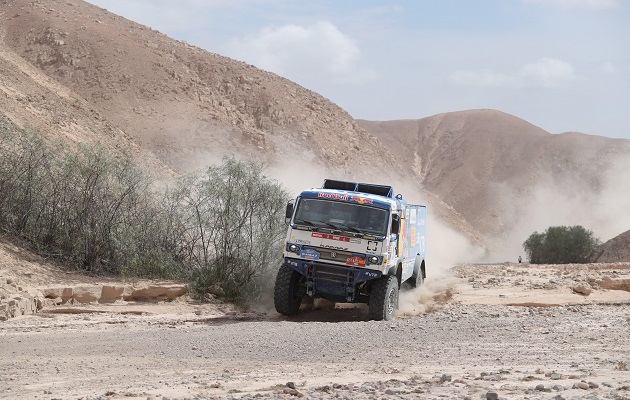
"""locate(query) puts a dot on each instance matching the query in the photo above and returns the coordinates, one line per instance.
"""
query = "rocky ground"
(501, 331)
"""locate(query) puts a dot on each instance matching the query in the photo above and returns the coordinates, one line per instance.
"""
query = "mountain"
(616, 249)
(490, 165)
(184, 105)
(78, 73)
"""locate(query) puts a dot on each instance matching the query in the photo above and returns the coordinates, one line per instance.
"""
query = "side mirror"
(289, 211)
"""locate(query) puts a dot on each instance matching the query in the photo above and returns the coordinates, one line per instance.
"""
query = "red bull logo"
(333, 196)
(362, 200)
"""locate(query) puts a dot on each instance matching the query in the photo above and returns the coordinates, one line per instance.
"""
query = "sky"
(562, 65)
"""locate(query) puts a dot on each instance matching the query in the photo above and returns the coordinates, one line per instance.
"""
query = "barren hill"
(490, 165)
(78, 72)
(616, 249)
(186, 105)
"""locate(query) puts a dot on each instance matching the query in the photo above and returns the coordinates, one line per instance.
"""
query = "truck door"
(395, 236)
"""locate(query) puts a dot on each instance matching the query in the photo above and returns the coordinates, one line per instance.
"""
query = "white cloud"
(608, 67)
(584, 4)
(304, 53)
(545, 73)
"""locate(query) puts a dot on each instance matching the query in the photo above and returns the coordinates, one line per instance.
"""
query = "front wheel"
(289, 291)
(384, 299)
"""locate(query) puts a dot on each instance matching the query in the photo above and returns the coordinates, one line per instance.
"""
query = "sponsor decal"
(362, 200)
(355, 261)
(309, 254)
(333, 196)
(301, 241)
(345, 197)
(371, 274)
(335, 237)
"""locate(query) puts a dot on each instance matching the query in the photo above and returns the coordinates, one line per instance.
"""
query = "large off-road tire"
(384, 299)
(289, 291)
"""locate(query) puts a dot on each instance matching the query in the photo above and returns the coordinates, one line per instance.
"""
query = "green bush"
(98, 213)
(561, 245)
(233, 220)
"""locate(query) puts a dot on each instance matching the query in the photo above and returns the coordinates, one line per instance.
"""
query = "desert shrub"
(82, 205)
(24, 171)
(233, 226)
(560, 245)
(100, 214)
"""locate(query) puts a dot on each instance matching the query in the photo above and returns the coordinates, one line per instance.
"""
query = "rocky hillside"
(185, 105)
(616, 249)
(79, 73)
(488, 164)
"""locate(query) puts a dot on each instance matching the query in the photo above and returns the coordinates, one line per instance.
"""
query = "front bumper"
(333, 282)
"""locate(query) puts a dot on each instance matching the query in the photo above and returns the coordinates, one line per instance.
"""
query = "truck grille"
(333, 255)
(332, 274)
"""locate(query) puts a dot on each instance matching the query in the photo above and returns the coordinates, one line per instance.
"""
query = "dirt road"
(455, 338)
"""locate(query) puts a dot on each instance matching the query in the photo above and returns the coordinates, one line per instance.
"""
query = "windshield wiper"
(314, 227)
(344, 227)
(351, 228)
(332, 225)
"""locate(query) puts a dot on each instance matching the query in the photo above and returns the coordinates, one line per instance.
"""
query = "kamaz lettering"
(383, 246)
(333, 247)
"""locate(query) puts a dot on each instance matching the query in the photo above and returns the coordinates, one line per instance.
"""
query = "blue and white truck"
(351, 242)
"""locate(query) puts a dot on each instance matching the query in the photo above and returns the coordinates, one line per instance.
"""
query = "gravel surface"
(458, 350)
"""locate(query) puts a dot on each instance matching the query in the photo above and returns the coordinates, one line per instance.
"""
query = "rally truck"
(351, 242)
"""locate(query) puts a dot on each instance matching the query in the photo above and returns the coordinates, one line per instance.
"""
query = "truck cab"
(352, 243)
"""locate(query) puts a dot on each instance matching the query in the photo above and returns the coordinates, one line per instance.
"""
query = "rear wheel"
(289, 291)
(383, 301)
(418, 280)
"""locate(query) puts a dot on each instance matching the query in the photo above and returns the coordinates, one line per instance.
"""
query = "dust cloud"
(605, 210)
(433, 295)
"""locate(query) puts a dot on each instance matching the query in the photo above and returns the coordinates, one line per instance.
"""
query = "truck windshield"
(342, 216)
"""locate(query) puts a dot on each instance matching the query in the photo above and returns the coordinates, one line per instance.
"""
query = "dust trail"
(433, 295)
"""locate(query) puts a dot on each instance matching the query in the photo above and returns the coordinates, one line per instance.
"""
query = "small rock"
(582, 289)
(582, 385)
(492, 396)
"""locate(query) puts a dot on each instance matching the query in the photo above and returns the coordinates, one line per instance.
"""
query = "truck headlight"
(373, 260)
(294, 248)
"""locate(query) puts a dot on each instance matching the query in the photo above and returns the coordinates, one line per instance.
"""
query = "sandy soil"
(479, 331)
